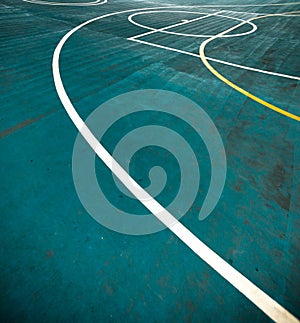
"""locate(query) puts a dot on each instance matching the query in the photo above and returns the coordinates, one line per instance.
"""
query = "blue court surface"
(150, 161)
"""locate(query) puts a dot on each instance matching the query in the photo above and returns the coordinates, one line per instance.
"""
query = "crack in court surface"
(24, 124)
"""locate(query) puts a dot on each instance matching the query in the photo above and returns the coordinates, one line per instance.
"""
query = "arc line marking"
(153, 30)
(269, 306)
(75, 4)
(165, 29)
(233, 85)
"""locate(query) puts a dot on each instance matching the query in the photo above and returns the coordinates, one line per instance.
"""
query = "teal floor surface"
(57, 263)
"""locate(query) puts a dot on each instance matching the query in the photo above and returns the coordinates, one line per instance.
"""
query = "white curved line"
(78, 4)
(274, 310)
(164, 30)
(130, 17)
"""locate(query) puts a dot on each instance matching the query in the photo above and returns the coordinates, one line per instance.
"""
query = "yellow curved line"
(236, 87)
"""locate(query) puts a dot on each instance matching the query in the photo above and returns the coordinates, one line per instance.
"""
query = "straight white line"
(217, 60)
(245, 12)
(248, 5)
(274, 310)
(164, 30)
(163, 47)
(294, 15)
(253, 69)
(172, 26)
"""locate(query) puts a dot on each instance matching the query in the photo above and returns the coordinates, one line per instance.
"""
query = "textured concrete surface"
(57, 263)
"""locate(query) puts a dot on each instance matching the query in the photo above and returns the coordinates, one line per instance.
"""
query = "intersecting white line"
(165, 29)
(153, 30)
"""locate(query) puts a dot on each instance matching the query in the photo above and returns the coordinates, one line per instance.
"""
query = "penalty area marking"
(78, 4)
(264, 302)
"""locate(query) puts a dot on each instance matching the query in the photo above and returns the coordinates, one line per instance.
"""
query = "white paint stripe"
(241, 66)
(77, 4)
(245, 12)
(253, 69)
(217, 60)
(153, 30)
(294, 15)
(252, 292)
(270, 307)
(165, 29)
(248, 5)
(164, 47)
(135, 38)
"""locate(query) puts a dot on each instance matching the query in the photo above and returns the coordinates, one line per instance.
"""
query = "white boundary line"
(269, 306)
(77, 4)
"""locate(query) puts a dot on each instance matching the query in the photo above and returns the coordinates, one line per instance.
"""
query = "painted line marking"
(216, 60)
(269, 306)
(253, 69)
(182, 23)
(78, 4)
(164, 47)
(165, 29)
(135, 38)
(246, 12)
(247, 5)
(233, 85)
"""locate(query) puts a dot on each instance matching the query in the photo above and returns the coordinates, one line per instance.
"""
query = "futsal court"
(150, 161)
